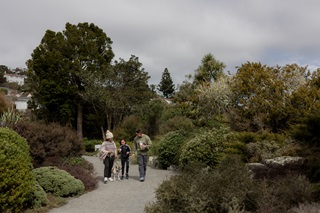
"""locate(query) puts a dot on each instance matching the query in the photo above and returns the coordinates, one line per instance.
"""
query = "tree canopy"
(63, 67)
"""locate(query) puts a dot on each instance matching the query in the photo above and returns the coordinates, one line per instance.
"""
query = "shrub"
(306, 208)
(206, 146)
(10, 117)
(283, 193)
(3, 103)
(89, 144)
(49, 140)
(77, 167)
(82, 170)
(17, 180)
(265, 145)
(308, 130)
(229, 188)
(128, 127)
(58, 182)
(200, 190)
(3, 91)
(177, 123)
(169, 148)
(40, 197)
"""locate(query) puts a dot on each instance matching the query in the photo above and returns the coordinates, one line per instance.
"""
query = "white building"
(15, 78)
(21, 102)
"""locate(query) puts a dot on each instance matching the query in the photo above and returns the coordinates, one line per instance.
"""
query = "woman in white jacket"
(108, 153)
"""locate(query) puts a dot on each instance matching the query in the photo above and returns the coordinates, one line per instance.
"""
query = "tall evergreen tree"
(63, 68)
(166, 85)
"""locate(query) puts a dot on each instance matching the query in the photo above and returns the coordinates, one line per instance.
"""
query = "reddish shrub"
(49, 140)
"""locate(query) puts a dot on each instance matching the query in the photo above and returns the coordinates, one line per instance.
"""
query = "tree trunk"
(103, 133)
(79, 122)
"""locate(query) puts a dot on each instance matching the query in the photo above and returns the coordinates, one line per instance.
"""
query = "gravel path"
(118, 196)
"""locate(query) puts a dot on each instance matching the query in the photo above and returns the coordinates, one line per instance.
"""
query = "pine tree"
(166, 85)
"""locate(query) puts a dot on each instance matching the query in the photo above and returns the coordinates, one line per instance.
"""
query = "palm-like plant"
(10, 117)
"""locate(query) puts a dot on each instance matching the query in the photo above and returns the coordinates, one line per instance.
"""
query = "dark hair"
(138, 131)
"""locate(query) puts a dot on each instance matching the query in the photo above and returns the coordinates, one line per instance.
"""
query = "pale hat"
(109, 134)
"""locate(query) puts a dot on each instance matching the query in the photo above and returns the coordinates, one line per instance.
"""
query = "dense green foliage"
(263, 96)
(17, 183)
(308, 129)
(207, 147)
(89, 144)
(176, 123)
(49, 141)
(307, 132)
(169, 148)
(65, 70)
(58, 182)
(125, 89)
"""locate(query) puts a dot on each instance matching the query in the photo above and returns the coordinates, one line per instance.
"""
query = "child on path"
(124, 151)
(108, 154)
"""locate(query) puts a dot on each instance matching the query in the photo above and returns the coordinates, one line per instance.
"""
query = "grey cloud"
(173, 34)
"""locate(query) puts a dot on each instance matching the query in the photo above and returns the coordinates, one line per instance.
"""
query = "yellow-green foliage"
(16, 179)
(58, 182)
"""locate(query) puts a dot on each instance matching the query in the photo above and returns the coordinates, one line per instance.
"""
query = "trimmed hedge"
(17, 182)
(58, 182)
(40, 197)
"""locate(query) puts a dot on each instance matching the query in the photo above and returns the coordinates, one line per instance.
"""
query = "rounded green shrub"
(39, 197)
(12, 136)
(169, 148)
(16, 179)
(58, 182)
(205, 147)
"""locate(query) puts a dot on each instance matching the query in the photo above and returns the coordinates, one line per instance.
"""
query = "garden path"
(118, 196)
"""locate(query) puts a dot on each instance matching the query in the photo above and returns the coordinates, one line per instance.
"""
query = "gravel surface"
(119, 196)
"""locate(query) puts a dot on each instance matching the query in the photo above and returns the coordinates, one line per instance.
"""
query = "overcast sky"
(173, 34)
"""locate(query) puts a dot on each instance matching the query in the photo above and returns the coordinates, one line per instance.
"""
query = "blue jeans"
(142, 161)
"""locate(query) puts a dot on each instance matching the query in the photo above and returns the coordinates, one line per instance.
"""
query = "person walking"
(124, 151)
(108, 154)
(142, 144)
